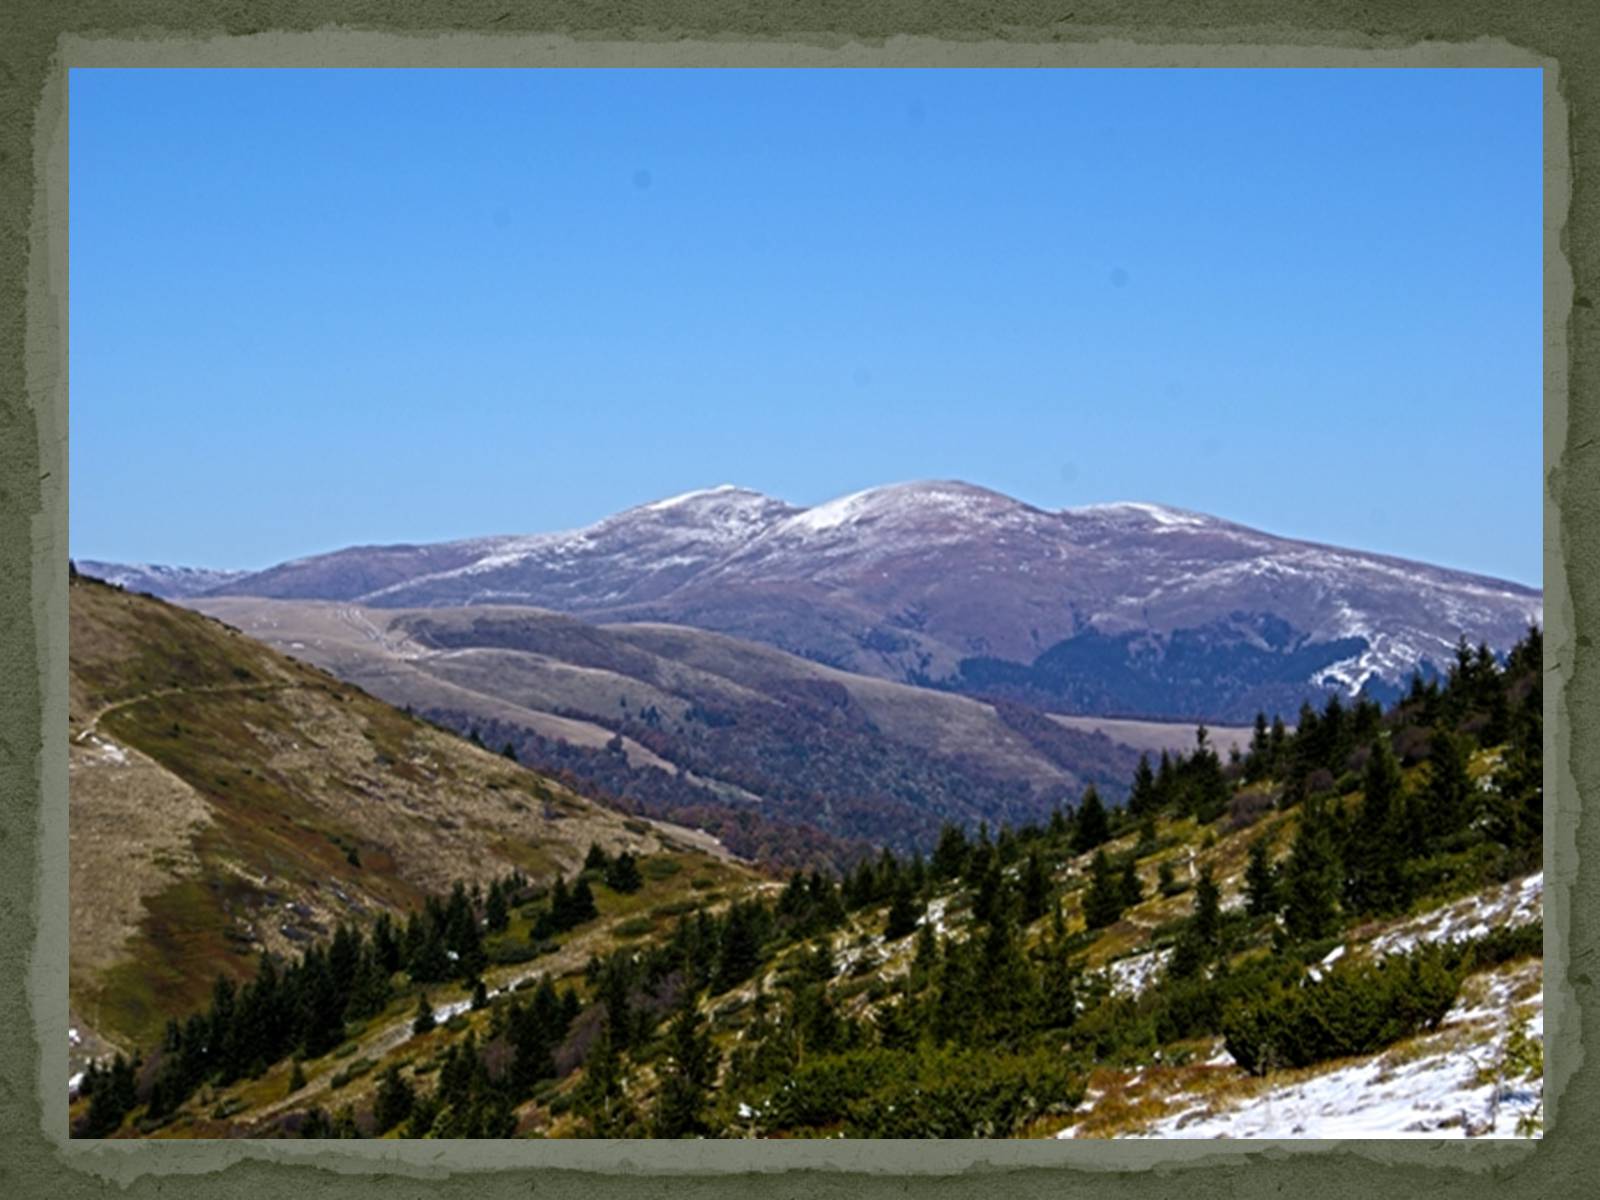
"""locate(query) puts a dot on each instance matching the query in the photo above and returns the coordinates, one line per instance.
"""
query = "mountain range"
(1116, 609)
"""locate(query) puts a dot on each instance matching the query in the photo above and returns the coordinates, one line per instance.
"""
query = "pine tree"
(495, 914)
(583, 906)
(1093, 826)
(1449, 790)
(596, 859)
(623, 874)
(1375, 879)
(1260, 881)
(739, 952)
(1311, 879)
(690, 1071)
(1166, 879)
(950, 855)
(1142, 798)
(1035, 890)
(1258, 763)
(599, 1096)
(394, 1101)
(1131, 891)
(423, 1019)
(904, 913)
(1102, 905)
(1200, 943)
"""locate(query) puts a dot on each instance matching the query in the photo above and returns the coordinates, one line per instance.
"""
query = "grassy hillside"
(1340, 935)
(226, 799)
(786, 759)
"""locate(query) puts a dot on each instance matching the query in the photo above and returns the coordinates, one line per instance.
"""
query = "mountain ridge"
(1102, 609)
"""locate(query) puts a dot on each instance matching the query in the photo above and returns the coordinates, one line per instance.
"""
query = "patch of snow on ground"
(1130, 976)
(1435, 1095)
(1520, 902)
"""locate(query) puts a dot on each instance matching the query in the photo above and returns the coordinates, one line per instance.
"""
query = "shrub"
(1354, 1008)
(923, 1093)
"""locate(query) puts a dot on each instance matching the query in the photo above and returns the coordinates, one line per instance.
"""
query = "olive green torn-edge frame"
(40, 41)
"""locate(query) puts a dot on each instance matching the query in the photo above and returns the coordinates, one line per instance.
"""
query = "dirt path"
(105, 710)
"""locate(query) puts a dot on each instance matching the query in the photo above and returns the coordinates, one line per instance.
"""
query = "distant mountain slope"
(170, 583)
(701, 719)
(1122, 609)
(226, 799)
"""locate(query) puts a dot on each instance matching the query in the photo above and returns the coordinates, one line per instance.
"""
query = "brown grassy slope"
(226, 798)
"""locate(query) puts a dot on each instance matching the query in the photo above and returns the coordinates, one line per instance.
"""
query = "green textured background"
(39, 41)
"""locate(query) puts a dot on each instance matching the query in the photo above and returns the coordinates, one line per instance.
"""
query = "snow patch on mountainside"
(1439, 1085)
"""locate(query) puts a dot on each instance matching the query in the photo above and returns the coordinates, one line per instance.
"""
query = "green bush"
(659, 868)
(948, 1093)
(633, 927)
(1355, 1008)
(354, 1071)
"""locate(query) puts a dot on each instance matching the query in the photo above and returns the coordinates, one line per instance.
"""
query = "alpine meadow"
(915, 784)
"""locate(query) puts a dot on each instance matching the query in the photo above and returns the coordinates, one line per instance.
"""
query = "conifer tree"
(1200, 943)
(1102, 905)
(689, 1072)
(1035, 890)
(422, 1021)
(1142, 799)
(596, 859)
(1166, 879)
(583, 906)
(1093, 826)
(1260, 881)
(1375, 880)
(904, 912)
(1311, 879)
(495, 913)
(623, 874)
(394, 1100)
(950, 854)
(1131, 891)
(1449, 790)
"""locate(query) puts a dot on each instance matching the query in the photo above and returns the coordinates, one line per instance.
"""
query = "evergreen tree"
(1258, 763)
(1035, 890)
(1311, 879)
(1142, 798)
(1093, 826)
(385, 945)
(583, 906)
(689, 1073)
(1449, 789)
(904, 913)
(1200, 943)
(623, 874)
(950, 855)
(1131, 891)
(1260, 881)
(422, 1021)
(1102, 905)
(1166, 879)
(1375, 880)
(599, 1097)
(495, 913)
(1208, 791)
(596, 859)
(740, 951)
(394, 1101)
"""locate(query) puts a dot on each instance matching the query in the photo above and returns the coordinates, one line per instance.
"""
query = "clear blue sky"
(317, 308)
